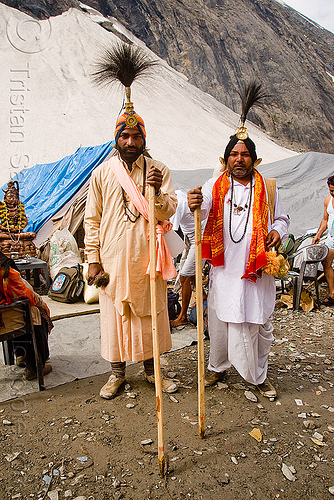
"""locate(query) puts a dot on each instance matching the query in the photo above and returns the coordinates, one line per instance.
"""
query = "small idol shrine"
(14, 242)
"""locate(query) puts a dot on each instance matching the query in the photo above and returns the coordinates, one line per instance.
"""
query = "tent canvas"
(46, 189)
(302, 186)
(301, 181)
(55, 194)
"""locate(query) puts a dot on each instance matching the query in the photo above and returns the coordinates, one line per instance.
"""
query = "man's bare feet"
(180, 320)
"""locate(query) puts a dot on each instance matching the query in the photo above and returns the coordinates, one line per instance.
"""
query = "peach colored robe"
(123, 250)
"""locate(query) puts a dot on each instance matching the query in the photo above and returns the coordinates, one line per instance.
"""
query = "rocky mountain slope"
(47, 69)
(218, 44)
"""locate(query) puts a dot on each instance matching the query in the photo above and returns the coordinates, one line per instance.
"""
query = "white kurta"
(239, 310)
(182, 217)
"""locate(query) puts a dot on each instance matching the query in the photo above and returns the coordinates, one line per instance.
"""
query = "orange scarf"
(213, 241)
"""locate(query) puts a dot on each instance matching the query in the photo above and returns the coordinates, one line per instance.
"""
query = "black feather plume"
(251, 95)
(123, 63)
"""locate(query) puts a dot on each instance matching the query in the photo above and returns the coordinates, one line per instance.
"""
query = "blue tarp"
(45, 189)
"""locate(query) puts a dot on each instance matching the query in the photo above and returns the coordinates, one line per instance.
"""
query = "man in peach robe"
(116, 242)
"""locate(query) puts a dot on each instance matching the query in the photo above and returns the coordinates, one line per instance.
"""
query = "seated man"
(14, 287)
(328, 222)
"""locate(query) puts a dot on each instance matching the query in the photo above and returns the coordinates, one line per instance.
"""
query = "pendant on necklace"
(125, 218)
(238, 210)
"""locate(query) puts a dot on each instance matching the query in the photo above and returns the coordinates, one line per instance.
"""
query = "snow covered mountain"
(218, 44)
(51, 107)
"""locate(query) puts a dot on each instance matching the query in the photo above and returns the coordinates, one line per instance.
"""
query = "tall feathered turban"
(251, 95)
(124, 63)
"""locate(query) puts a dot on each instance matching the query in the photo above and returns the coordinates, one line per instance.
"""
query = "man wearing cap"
(241, 297)
(116, 242)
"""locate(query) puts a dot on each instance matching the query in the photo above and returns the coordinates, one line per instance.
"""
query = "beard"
(241, 172)
(130, 154)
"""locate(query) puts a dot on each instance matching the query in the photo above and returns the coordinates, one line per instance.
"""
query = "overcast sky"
(320, 11)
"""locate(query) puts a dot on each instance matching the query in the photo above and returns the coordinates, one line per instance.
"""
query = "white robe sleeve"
(281, 220)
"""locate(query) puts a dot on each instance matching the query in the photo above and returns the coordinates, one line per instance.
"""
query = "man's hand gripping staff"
(195, 198)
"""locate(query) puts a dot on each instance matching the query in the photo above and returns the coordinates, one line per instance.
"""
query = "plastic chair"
(310, 257)
(16, 321)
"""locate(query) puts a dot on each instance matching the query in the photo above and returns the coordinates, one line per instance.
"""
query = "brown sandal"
(328, 301)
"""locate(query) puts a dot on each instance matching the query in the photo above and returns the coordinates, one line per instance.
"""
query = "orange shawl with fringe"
(213, 241)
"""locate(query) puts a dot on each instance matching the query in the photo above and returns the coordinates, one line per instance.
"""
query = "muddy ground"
(68, 443)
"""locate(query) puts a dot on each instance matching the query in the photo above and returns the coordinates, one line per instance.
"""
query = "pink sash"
(165, 265)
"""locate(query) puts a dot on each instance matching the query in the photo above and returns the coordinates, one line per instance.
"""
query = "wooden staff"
(313, 282)
(154, 315)
(200, 326)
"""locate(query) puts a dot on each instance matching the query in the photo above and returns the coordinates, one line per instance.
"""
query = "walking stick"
(200, 327)
(312, 282)
(154, 315)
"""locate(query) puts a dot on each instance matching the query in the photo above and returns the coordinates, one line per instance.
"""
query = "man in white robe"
(241, 297)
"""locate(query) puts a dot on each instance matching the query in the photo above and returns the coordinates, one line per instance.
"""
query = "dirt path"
(91, 448)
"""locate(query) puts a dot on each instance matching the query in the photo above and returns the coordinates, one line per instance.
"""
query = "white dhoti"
(129, 337)
(245, 346)
(239, 309)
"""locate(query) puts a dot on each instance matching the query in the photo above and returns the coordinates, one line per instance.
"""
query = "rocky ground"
(68, 443)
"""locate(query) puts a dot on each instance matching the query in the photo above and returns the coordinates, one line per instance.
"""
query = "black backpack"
(174, 307)
(68, 285)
